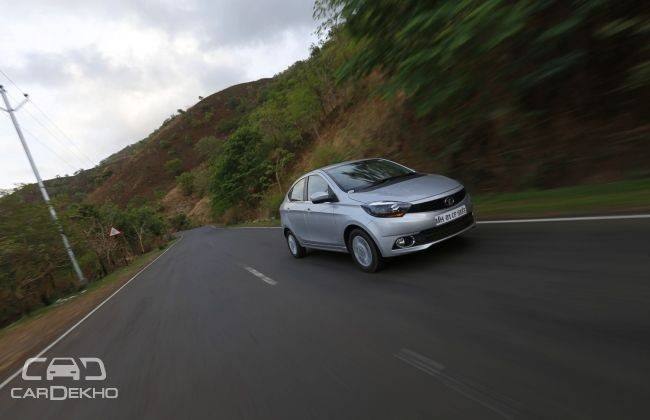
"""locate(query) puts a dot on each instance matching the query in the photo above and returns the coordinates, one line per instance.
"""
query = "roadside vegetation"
(102, 284)
(34, 269)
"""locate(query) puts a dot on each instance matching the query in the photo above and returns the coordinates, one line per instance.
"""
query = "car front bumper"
(425, 240)
(422, 227)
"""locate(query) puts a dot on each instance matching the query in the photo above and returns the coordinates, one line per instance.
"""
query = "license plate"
(447, 217)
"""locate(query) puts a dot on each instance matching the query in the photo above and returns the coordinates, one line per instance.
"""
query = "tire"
(364, 251)
(295, 249)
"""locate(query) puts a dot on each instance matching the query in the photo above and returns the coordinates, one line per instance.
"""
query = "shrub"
(159, 194)
(227, 125)
(232, 216)
(270, 204)
(327, 154)
(201, 180)
(179, 221)
(164, 144)
(174, 166)
(208, 146)
(232, 103)
(186, 182)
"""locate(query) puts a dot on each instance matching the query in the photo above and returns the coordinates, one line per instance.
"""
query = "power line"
(61, 158)
(12, 82)
(54, 136)
(34, 137)
(49, 131)
(65, 136)
(78, 151)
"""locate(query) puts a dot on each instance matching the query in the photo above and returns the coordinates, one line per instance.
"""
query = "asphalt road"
(530, 320)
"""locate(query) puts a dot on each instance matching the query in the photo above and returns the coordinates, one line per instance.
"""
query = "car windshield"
(367, 173)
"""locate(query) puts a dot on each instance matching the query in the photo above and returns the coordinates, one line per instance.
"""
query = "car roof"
(324, 168)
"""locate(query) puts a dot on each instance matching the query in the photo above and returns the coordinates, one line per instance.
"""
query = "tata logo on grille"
(449, 201)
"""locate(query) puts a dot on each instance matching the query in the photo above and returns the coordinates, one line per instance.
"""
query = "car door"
(321, 224)
(296, 208)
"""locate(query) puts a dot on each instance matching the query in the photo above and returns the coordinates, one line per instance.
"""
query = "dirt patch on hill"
(201, 212)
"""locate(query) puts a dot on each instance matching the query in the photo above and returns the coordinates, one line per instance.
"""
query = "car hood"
(409, 190)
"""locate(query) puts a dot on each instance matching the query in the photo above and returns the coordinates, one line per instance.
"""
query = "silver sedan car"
(373, 209)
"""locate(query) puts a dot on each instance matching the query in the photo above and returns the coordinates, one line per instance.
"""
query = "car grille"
(448, 229)
(438, 204)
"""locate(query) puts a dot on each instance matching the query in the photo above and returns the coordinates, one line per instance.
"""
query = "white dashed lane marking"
(261, 276)
(499, 404)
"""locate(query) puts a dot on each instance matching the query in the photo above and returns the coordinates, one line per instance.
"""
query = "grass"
(127, 271)
(615, 197)
(257, 223)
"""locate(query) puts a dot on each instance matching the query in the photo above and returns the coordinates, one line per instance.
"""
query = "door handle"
(308, 208)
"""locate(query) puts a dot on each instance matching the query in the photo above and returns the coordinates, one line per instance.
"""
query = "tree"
(464, 64)
(303, 108)
(174, 166)
(208, 146)
(96, 223)
(186, 181)
(32, 260)
(144, 221)
(240, 171)
(281, 157)
(34, 267)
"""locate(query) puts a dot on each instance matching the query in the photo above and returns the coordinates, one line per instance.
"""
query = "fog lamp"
(405, 242)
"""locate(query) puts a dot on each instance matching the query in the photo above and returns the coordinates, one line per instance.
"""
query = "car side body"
(323, 215)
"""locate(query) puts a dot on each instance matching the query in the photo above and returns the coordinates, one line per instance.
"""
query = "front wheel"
(297, 250)
(365, 252)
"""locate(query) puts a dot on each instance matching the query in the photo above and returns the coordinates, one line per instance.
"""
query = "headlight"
(387, 208)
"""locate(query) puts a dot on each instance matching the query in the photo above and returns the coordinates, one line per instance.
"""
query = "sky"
(107, 73)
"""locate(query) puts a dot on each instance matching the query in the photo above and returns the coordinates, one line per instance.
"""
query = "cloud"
(234, 23)
(109, 72)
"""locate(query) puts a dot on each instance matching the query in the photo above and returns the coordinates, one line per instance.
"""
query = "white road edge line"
(249, 227)
(567, 219)
(261, 276)
(485, 222)
(62, 336)
(259, 227)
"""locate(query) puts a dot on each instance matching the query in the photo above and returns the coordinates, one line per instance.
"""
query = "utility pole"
(41, 186)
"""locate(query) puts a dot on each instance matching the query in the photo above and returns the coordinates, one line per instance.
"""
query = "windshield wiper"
(385, 180)
(392, 178)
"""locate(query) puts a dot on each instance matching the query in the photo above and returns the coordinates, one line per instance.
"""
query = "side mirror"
(321, 197)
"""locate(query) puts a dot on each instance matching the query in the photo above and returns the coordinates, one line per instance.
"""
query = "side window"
(316, 184)
(296, 193)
